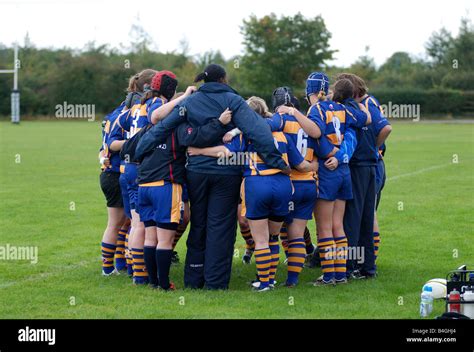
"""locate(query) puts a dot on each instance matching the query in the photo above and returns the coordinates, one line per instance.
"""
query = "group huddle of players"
(334, 171)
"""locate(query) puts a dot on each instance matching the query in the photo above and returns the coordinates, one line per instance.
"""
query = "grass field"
(433, 234)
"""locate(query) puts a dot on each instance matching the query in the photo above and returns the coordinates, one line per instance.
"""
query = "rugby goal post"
(15, 96)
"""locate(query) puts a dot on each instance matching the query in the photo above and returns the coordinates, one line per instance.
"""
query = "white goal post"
(15, 96)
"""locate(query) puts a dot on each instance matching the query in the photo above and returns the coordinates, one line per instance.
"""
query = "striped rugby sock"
(275, 254)
(340, 259)
(376, 244)
(128, 254)
(108, 251)
(284, 239)
(326, 253)
(120, 262)
(296, 258)
(247, 236)
(140, 275)
(263, 261)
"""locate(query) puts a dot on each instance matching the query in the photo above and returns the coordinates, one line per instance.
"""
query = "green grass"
(59, 166)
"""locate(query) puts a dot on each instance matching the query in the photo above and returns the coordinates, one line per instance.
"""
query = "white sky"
(384, 26)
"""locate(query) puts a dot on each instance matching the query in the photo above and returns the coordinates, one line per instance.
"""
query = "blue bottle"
(426, 303)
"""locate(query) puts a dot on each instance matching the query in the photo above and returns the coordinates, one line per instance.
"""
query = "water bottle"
(426, 304)
(454, 299)
(468, 308)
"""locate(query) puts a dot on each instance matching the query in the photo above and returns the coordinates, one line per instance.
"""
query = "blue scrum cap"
(317, 82)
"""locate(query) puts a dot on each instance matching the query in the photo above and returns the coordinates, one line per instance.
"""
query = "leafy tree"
(283, 50)
(438, 46)
(463, 46)
(453, 58)
(402, 70)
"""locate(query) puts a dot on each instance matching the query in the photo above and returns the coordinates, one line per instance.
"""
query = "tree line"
(277, 50)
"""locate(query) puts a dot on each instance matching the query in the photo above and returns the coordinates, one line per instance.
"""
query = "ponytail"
(212, 73)
(322, 95)
(200, 77)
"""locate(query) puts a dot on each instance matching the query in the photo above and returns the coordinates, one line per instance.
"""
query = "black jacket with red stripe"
(168, 161)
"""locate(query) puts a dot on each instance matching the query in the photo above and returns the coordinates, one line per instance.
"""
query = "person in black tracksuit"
(214, 188)
(161, 175)
(380, 178)
(359, 212)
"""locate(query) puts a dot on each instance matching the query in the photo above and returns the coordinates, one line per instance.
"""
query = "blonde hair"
(137, 82)
(321, 95)
(259, 105)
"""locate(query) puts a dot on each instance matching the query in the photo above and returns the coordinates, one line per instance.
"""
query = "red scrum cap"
(165, 82)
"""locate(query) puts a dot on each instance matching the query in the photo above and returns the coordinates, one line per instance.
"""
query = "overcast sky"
(384, 26)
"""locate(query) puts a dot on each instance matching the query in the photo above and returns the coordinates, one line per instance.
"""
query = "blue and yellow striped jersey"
(120, 129)
(321, 147)
(333, 119)
(304, 144)
(141, 114)
(106, 139)
(254, 165)
(137, 117)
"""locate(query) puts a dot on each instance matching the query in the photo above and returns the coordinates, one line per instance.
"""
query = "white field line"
(420, 171)
(417, 172)
(42, 276)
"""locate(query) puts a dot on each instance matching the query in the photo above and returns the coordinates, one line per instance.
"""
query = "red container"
(455, 297)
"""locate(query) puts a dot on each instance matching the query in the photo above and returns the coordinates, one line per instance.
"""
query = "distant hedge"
(432, 102)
